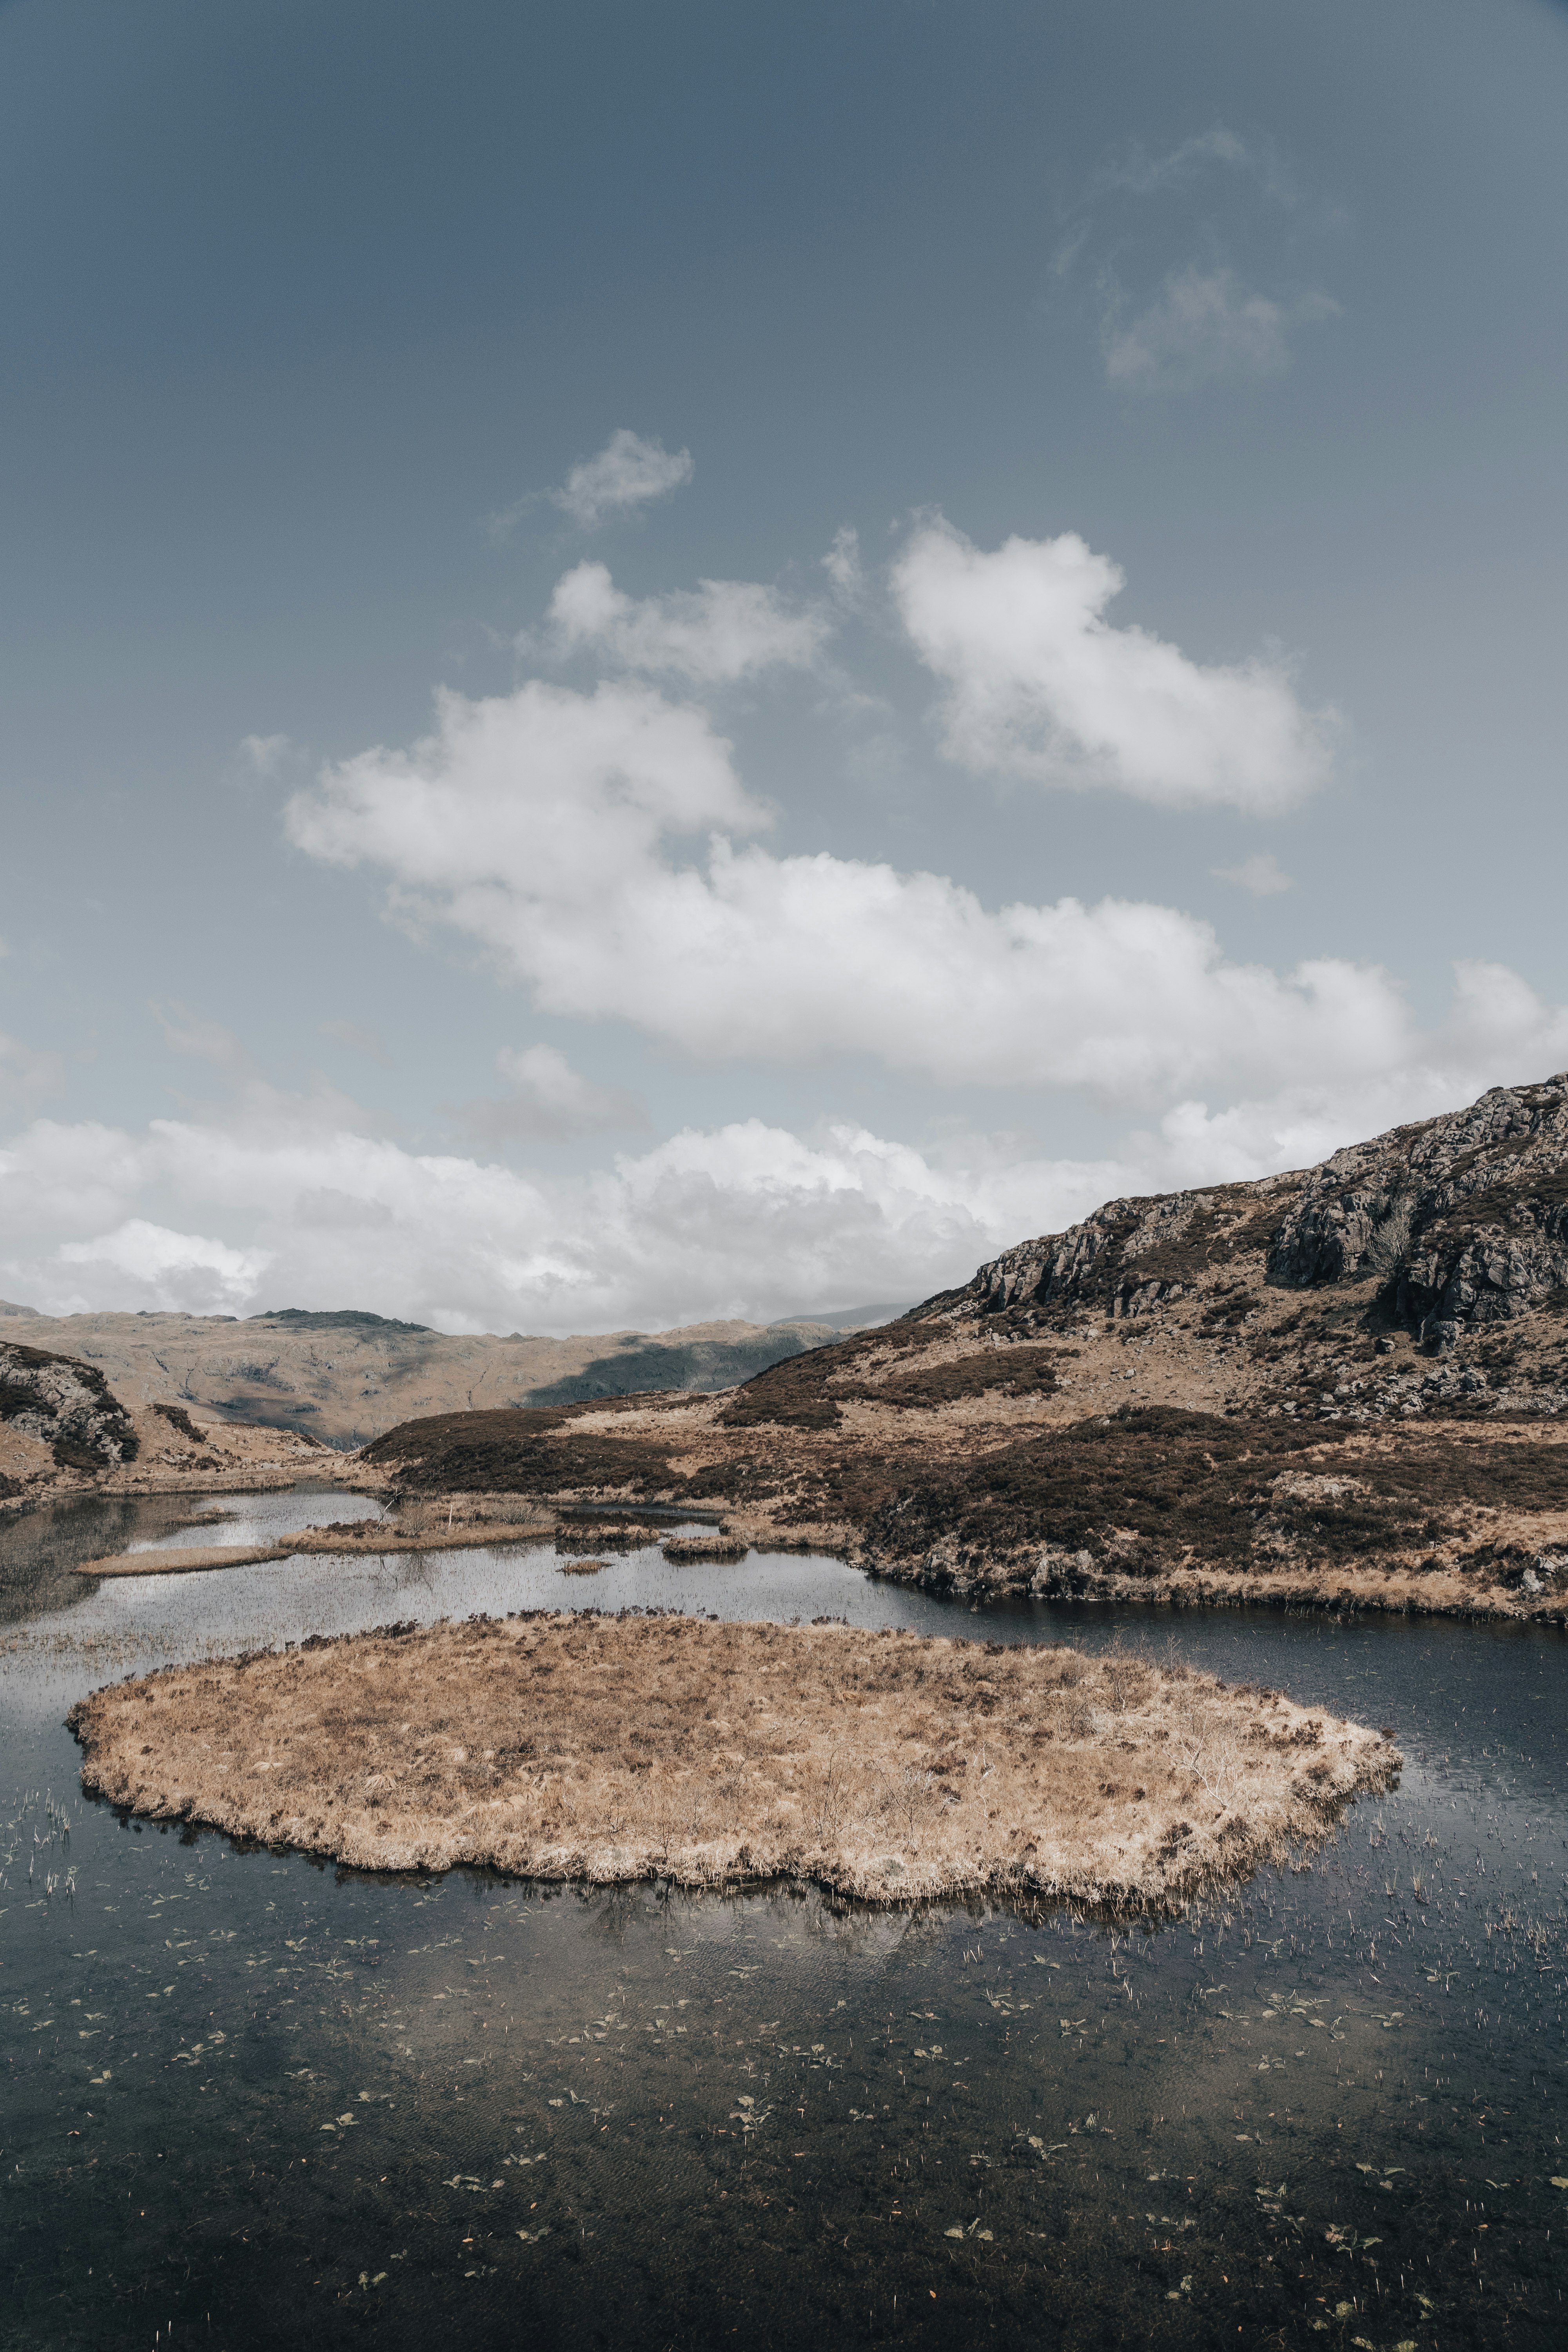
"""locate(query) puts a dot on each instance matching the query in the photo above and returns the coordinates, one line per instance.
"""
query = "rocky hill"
(1425, 1269)
(1349, 1383)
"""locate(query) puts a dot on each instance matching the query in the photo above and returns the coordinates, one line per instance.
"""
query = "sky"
(669, 663)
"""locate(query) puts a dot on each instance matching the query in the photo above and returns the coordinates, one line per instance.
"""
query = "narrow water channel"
(252, 2101)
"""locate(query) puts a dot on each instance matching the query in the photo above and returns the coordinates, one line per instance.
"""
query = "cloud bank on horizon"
(600, 846)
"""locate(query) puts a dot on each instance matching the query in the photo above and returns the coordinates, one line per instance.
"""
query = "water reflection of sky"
(311, 2102)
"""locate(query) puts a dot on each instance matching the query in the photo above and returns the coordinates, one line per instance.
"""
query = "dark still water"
(252, 2101)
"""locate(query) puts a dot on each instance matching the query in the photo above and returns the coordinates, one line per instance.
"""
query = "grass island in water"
(885, 1766)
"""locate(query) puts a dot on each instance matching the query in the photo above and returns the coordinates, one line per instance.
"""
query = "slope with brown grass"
(1347, 1386)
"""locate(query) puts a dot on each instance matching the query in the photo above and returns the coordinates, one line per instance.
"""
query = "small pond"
(253, 2101)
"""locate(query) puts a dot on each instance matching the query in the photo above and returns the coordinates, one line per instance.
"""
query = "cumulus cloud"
(722, 630)
(189, 1272)
(549, 1102)
(1201, 326)
(1262, 875)
(557, 829)
(748, 1219)
(284, 1199)
(1040, 684)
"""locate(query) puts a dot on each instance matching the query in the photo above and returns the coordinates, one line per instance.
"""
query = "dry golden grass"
(690, 1550)
(438, 1532)
(883, 1764)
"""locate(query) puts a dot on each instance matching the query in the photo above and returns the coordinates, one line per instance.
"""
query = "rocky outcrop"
(1131, 1257)
(68, 1405)
(1463, 1219)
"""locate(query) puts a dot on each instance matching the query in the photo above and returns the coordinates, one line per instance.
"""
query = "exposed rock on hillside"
(1461, 1220)
(66, 1406)
(1348, 1383)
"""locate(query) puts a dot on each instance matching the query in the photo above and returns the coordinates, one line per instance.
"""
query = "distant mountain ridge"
(346, 1375)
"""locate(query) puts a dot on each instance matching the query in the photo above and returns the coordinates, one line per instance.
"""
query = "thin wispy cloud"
(205, 1040)
(1203, 327)
(548, 1102)
(844, 567)
(263, 756)
(1261, 875)
(628, 474)
(28, 1078)
(1170, 322)
(368, 1042)
(1135, 172)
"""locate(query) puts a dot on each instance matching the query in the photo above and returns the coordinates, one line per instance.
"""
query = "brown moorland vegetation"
(1346, 1387)
(1343, 1387)
(886, 1766)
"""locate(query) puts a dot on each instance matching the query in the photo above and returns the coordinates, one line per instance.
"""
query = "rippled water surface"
(254, 2101)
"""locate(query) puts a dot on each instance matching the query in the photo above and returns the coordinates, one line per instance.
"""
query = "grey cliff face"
(66, 1404)
(1464, 1217)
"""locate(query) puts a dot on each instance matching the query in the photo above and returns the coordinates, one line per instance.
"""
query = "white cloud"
(525, 812)
(1262, 875)
(1204, 325)
(722, 630)
(550, 1101)
(283, 1204)
(548, 826)
(188, 1271)
(747, 1220)
(1040, 684)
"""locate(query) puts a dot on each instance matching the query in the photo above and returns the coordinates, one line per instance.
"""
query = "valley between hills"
(1343, 1387)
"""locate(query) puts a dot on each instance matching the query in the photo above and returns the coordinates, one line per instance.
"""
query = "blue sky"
(1128, 446)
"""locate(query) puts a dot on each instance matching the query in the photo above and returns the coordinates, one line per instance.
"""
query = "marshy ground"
(602, 1749)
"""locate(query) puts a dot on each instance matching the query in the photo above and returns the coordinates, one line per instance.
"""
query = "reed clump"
(687, 1551)
(887, 1765)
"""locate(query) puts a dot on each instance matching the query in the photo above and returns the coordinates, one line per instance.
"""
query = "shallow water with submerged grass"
(253, 2101)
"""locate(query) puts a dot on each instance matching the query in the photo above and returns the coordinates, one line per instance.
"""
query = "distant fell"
(334, 1319)
(344, 1375)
